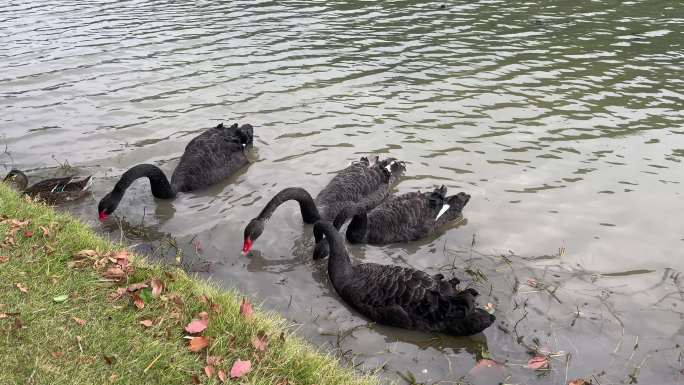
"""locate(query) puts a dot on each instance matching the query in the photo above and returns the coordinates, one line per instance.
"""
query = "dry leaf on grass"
(4, 258)
(22, 288)
(46, 231)
(246, 309)
(222, 375)
(136, 286)
(157, 287)
(79, 321)
(147, 323)
(538, 362)
(198, 343)
(120, 291)
(85, 254)
(56, 354)
(196, 326)
(137, 301)
(110, 360)
(578, 381)
(240, 368)
(214, 360)
(28, 234)
(209, 371)
(115, 273)
(260, 341)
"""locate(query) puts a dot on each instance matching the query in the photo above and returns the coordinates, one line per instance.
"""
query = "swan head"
(321, 250)
(253, 231)
(107, 206)
(459, 200)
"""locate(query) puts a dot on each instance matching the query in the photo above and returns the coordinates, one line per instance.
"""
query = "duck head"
(17, 179)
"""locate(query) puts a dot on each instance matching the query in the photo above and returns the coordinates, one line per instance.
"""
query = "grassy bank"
(70, 313)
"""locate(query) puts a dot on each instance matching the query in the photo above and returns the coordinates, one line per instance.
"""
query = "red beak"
(246, 246)
(103, 216)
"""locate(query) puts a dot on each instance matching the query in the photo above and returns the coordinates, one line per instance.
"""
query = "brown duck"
(52, 191)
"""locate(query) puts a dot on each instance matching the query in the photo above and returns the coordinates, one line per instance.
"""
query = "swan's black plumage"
(402, 218)
(401, 296)
(363, 184)
(209, 158)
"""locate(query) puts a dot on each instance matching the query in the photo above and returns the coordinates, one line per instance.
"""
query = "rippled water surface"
(562, 119)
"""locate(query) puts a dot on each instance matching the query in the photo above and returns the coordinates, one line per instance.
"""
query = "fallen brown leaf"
(85, 254)
(538, 362)
(240, 368)
(147, 323)
(197, 245)
(4, 258)
(115, 273)
(214, 360)
(196, 326)
(28, 234)
(137, 286)
(110, 360)
(22, 288)
(56, 354)
(157, 287)
(246, 309)
(46, 231)
(18, 323)
(137, 301)
(578, 381)
(222, 375)
(209, 371)
(120, 291)
(79, 321)
(260, 341)
(198, 343)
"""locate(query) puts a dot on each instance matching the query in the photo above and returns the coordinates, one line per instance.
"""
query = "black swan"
(401, 218)
(401, 296)
(209, 157)
(363, 183)
(52, 191)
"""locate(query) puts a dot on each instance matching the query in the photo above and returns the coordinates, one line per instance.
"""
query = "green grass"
(43, 344)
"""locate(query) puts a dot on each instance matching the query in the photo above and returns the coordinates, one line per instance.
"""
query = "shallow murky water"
(562, 119)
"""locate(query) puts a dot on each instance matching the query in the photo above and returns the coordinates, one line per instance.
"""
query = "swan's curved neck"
(306, 204)
(161, 188)
(339, 264)
(358, 228)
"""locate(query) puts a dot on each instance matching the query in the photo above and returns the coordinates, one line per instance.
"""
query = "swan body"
(52, 191)
(402, 218)
(364, 183)
(401, 296)
(210, 157)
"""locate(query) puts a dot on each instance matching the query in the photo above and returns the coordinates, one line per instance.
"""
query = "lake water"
(562, 119)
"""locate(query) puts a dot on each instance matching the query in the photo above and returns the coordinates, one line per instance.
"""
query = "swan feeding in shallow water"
(363, 183)
(210, 157)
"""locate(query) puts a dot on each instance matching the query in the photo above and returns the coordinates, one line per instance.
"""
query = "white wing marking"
(442, 211)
